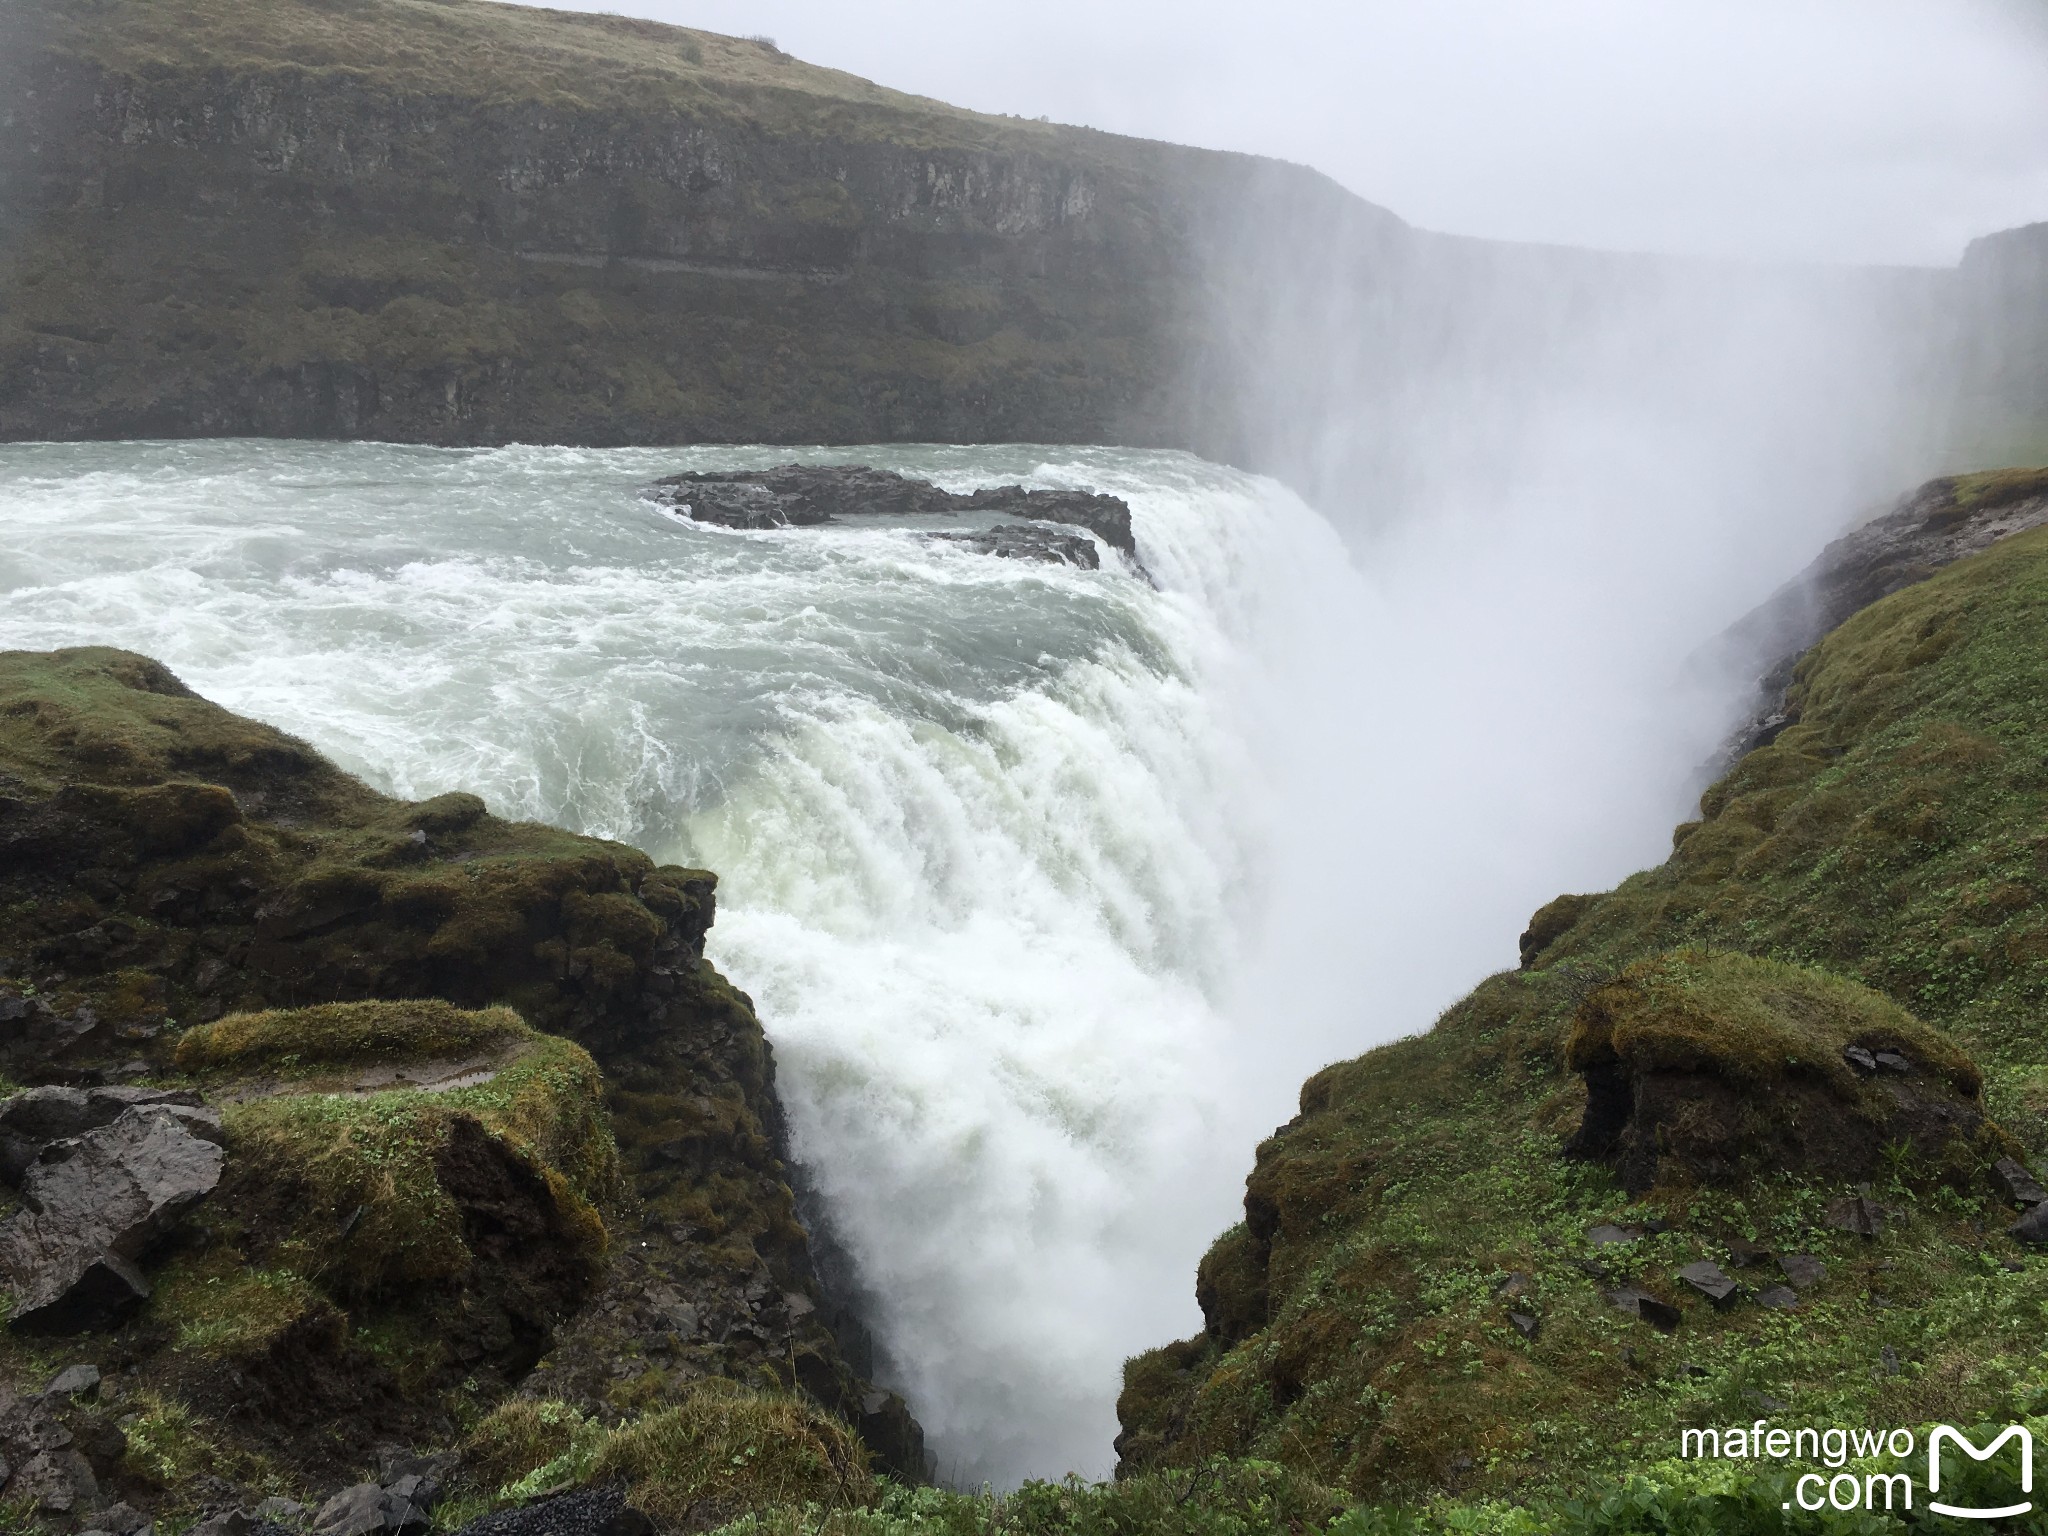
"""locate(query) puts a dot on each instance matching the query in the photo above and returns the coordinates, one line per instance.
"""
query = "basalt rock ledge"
(809, 495)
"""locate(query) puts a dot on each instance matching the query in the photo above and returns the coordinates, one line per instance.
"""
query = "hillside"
(1462, 1269)
(459, 222)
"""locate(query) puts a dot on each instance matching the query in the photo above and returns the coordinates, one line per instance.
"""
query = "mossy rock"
(374, 1243)
(422, 1141)
(1551, 922)
(363, 1187)
(300, 1041)
(1230, 1286)
(715, 1451)
(1702, 1067)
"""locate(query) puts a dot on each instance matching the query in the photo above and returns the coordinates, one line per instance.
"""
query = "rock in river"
(806, 495)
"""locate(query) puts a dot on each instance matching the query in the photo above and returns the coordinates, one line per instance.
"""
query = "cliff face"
(279, 219)
(491, 1121)
(2002, 366)
(449, 221)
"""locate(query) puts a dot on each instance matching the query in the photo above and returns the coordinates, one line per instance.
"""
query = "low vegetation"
(1874, 877)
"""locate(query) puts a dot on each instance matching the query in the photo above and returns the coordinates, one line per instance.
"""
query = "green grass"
(707, 1451)
(1878, 871)
(508, 54)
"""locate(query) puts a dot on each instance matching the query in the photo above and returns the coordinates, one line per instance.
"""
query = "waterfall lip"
(980, 820)
(815, 495)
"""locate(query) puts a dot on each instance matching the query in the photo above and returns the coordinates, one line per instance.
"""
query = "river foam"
(1051, 884)
(988, 830)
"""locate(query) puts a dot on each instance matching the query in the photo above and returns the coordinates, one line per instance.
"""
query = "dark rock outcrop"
(93, 1204)
(165, 863)
(32, 1119)
(807, 495)
(1701, 1068)
(1026, 541)
(1942, 522)
(1551, 922)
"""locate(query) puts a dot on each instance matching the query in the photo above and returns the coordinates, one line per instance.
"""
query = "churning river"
(988, 830)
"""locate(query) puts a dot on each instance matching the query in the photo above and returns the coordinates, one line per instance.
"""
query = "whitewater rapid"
(1051, 884)
(989, 831)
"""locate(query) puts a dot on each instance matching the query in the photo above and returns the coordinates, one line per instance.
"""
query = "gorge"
(341, 342)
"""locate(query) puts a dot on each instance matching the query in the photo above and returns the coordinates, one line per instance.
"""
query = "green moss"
(1876, 874)
(1751, 1022)
(216, 1305)
(113, 718)
(724, 1450)
(334, 1034)
(1994, 488)
(368, 1164)
(713, 1450)
(1220, 1499)
(523, 1441)
(169, 1446)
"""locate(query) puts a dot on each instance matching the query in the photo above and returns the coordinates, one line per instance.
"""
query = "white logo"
(1942, 1432)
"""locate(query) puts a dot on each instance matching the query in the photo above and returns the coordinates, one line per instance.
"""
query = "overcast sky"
(1872, 130)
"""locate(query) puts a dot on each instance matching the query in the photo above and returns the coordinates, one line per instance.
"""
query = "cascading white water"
(1051, 884)
(989, 830)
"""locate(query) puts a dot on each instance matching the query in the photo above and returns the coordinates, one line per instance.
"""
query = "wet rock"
(2019, 1181)
(74, 1381)
(2032, 1227)
(807, 495)
(56, 1482)
(1778, 1298)
(1524, 1324)
(1029, 541)
(354, 1511)
(1803, 1270)
(1706, 1277)
(419, 1478)
(1856, 1213)
(92, 1205)
(31, 1120)
(409, 1502)
(1639, 1303)
(1924, 532)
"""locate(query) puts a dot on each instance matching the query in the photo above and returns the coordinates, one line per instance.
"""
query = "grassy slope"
(1899, 836)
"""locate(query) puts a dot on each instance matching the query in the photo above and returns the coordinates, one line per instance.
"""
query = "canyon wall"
(453, 222)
